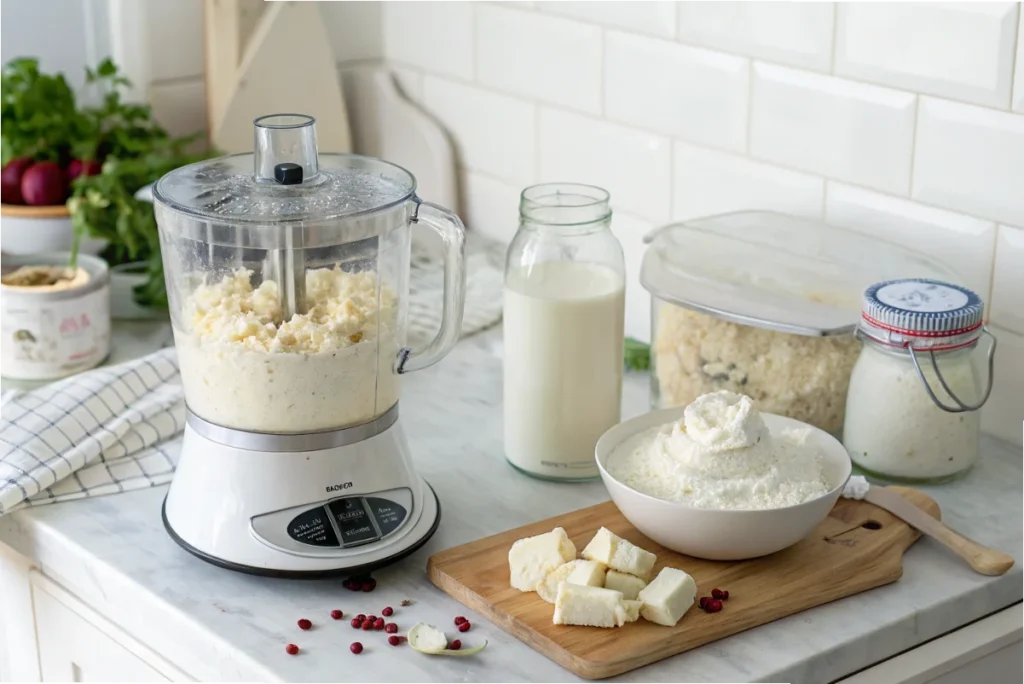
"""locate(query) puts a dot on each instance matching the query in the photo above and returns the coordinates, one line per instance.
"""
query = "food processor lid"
(775, 271)
(284, 179)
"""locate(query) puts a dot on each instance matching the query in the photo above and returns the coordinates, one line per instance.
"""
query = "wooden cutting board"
(858, 547)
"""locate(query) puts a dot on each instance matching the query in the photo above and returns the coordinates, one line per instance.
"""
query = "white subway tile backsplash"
(1003, 414)
(436, 36)
(961, 50)
(1007, 302)
(633, 166)
(840, 129)
(687, 92)
(175, 39)
(493, 133)
(630, 232)
(1018, 71)
(642, 16)
(489, 206)
(970, 159)
(355, 29)
(522, 4)
(540, 56)
(708, 182)
(796, 33)
(963, 243)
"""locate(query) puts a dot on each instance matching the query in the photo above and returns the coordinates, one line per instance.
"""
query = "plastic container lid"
(922, 313)
(775, 271)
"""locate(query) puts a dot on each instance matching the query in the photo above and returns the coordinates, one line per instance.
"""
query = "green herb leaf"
(637, 355)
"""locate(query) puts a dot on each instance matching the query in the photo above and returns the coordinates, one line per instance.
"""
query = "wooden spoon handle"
(983, 559)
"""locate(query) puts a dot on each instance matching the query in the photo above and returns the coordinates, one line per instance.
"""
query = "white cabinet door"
(78, 645)
(984, 652)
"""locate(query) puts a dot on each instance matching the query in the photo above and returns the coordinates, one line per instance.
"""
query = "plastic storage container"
(912, 412)
(764, 304)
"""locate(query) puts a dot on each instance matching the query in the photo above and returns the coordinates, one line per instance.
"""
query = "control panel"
(340, 523)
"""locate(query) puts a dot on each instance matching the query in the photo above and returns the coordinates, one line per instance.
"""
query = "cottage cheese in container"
(764, 304)
(244, 367)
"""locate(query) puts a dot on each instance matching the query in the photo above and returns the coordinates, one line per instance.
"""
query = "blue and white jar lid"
(922, 314)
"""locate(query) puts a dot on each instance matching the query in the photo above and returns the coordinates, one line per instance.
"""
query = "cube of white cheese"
(579, 604)
(532, 559)
(619, 554)
(633, 609)
(588, 572)
(629, 585)
(547, 589)
(667, 597)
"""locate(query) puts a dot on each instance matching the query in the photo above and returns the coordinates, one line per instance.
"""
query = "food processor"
(288, 277)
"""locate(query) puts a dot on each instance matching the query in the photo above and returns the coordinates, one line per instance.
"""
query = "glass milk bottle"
(563, 325)
(912, 408)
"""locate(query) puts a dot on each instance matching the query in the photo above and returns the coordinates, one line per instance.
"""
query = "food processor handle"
(453, 234)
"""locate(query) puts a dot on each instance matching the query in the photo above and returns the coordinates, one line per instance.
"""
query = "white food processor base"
(312, 505)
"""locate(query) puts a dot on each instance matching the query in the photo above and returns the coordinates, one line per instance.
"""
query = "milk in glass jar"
(912, 408)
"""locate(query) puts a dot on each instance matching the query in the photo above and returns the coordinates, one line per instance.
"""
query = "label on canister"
(46, 337)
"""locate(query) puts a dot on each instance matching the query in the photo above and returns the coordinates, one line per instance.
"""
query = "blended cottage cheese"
(722, 456)
(244, 367)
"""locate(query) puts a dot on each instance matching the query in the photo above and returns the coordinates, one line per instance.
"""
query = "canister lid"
(922, 313)
(775, 271)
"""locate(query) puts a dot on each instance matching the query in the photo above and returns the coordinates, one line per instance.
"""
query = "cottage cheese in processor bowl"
(722, 456)
(244, 367)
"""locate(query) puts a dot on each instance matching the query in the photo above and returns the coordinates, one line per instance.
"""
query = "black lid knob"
(288, 173)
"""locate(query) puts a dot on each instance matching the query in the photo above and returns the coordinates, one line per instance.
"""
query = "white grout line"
(750, 106)
(835, 35)
(913, 146)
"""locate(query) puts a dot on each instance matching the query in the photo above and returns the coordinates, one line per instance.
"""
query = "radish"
(10, 180)
(44, 184)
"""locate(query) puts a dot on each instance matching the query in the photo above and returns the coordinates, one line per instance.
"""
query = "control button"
(313, 527)
(389, 515)
(355, 525)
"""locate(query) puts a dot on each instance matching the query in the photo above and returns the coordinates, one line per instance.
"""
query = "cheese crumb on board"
(619, 554)
(628, 585)
(532, 559)
(588, 572)
(579, 604)
(668, 597)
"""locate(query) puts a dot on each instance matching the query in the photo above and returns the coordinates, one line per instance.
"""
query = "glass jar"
(912, 410)
(564, 331)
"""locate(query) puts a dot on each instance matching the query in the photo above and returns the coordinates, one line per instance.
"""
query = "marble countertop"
(113, 553)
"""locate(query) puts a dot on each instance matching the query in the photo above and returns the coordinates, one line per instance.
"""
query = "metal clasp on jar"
(960, 406)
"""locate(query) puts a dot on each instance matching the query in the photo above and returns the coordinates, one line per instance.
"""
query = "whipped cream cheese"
(244, 367)
(722, 456)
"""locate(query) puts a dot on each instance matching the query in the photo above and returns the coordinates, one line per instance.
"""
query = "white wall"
(900, 119)
(903, 120)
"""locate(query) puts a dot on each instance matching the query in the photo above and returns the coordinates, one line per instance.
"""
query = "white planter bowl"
(721, 534)
(31, 230)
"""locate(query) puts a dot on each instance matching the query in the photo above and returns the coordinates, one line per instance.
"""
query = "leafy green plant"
(638, 355)
(40, 119)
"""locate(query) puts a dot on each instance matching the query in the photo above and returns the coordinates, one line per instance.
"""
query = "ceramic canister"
(48, 332)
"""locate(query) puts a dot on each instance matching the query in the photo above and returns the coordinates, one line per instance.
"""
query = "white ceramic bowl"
(31, 230)
(718, 534)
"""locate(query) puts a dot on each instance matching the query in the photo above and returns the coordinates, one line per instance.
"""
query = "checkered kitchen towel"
(118, 428)
(103, 431)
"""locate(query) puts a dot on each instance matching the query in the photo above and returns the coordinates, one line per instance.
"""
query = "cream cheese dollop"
(722, 421)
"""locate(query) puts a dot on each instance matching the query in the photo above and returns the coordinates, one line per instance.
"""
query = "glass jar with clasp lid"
(912, 412)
